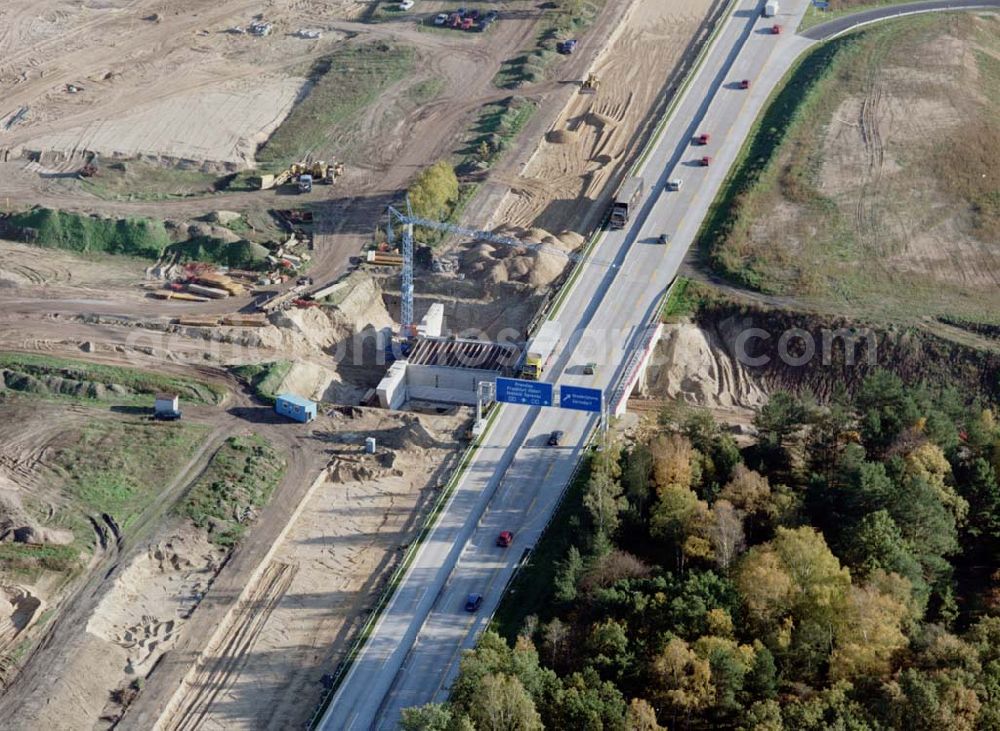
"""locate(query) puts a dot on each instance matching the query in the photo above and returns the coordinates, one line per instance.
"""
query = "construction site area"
(194, 206)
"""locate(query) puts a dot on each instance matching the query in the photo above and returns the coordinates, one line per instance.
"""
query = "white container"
(370, 445)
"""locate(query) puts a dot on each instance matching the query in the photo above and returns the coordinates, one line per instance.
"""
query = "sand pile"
(154, 595)
(298, 331)
(302, 331)
(318, 383)
(537, 268)
(693, 365)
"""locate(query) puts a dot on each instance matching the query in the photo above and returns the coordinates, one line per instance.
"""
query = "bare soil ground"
(152, 73)
(288, 630)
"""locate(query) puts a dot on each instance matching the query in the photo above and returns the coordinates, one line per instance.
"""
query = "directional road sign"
(518, 391)
(581, 399)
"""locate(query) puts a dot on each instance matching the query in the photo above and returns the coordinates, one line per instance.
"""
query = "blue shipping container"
(295, 407)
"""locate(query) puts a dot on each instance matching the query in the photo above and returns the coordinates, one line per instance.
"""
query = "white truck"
(539, 350)
(770, 8)
(305, 183)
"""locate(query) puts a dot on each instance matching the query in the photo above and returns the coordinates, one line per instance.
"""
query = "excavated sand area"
(155, 595)
(561, 184)
(693, 366)
(323, 575)
(164, 79)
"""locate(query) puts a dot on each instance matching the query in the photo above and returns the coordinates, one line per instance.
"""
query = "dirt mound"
(16, 526)
(412, 433)
(561, 136)
(154, 595)
(537, 268)
(292, 330)
(18, 609)
(692, 365)
(198, 229)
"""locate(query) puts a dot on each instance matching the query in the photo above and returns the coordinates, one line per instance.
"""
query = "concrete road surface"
(515, 480)
(844, 23)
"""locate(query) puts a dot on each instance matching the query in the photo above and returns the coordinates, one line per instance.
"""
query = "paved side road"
(843, 24)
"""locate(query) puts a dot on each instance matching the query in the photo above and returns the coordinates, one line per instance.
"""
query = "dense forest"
(840, 572)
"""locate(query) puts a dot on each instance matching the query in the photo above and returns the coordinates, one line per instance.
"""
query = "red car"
(468, 23)
(745, 84)
(505, 539)
(702, 139)
(775, 29)
(706, 161)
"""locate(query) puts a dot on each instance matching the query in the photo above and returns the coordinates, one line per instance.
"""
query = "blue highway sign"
(518, 391)
(581, 399)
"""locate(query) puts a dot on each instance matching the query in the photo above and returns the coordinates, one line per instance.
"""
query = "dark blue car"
(473, 602)
(566, 47)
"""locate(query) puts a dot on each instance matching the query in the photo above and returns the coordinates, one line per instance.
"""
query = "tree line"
(840, 572)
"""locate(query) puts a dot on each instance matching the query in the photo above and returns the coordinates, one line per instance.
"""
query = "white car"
(440, 18)
(674, 184)
(406, 4)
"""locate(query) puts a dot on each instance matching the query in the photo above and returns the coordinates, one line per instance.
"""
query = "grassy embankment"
(264, 378)
(238, 481)
(51, 377)
(143, 238)
(147, 181)
(897, 223)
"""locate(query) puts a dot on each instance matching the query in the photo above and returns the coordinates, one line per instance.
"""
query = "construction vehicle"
(770, 8)
(333, 171)
(625, 200)
(590, 85)
(89, 170)
(539, 350)
(305, 183)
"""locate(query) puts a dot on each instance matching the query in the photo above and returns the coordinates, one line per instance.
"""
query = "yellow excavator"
(590, 84)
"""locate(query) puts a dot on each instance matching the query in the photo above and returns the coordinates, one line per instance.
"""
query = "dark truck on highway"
(626, 199)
